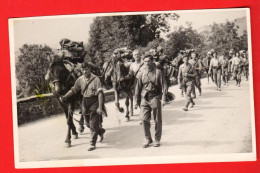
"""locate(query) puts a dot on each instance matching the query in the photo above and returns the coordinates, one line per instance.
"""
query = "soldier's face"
(185, 60)
(86, 72)
(193, 55)
(136, 55)
(148, 62)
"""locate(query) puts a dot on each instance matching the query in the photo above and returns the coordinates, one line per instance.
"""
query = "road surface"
(219, 123)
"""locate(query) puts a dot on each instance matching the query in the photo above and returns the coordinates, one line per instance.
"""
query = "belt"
(215, 67)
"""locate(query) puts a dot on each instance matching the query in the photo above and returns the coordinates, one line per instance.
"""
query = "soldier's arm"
(210, 66)
(192, 72)
(72, 91)
(179, 75)
(163, 84)
(100, 94)
(131, 73)
(138, 89)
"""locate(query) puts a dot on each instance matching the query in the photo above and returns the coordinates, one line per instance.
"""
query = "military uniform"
(245, 67)
(215, 66)
(151, 86)
(187, 74)
(90, 104)
(206, 64)
(236, 69)
(197, 66)
(225, 63)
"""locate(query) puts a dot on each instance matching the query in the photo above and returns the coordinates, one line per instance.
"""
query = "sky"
(50, 30)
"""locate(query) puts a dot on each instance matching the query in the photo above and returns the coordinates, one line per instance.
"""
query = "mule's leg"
(67, 140)
(73, 128)
(120, 109)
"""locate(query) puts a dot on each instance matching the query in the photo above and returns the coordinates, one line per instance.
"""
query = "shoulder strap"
(139, 69)
(89, 82)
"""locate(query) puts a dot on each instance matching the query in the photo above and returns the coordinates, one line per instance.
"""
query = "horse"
(114, 72)
(62, 80)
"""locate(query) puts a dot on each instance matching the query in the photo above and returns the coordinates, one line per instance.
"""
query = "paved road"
(219, 123)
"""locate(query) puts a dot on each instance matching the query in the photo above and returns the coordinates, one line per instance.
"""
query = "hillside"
(241, 22)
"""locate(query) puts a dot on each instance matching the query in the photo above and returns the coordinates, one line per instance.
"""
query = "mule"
(114, 72)
(62, 81)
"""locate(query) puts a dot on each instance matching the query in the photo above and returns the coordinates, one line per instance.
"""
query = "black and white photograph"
(131, 88)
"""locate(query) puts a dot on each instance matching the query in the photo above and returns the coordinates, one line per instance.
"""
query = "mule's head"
(59, 75)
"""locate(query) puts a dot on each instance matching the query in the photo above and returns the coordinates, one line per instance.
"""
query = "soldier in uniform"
(215, 66)
(187, 74)
(150, 89)
(245, 64)
(225, 63)
(206, 63)
(236, 68)
(230, 57)
(135, 67)
(92, 103)
(197, 65)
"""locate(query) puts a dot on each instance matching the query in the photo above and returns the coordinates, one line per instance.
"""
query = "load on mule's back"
(116, 70)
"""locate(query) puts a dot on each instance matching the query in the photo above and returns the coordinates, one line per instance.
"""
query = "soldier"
(177, 63)
(135, 67)
(215, 66)
(92, 103)
(230, 57)
(150, 89)
(236, 68)
(187, 74)
(225, 63)
(196, 63)
(206, 63)
(245, 64)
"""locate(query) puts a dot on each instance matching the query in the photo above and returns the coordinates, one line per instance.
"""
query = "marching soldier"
(236, 68)
(196, 63)
(245, 64)
(150, 89)
(225, 69)
(187, 74)
(230, 57)
(92, 103)
(215, 66)
(206, 64)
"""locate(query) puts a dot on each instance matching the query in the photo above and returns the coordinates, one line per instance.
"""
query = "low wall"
(41, 106)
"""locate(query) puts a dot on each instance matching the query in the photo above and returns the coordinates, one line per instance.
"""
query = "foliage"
(31, 67)
(181, 39)
(110, 32)
(224, 37)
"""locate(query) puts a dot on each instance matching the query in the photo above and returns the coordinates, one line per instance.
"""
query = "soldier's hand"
(99, 111)
(136, 106)
(163, 103)
(62, 99)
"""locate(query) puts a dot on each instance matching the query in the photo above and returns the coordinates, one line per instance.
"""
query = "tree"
(110, 32)
(31, 66)
(224, 37)
(181, 39)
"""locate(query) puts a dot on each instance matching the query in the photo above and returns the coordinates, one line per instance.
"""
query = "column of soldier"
(152, 72)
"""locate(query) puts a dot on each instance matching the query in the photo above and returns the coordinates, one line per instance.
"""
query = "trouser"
(92, 118)
(189, 88)
(147, 107)
(198, 82)
(217, 77)
(225, 75)
(245, 69)
(237, 73)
